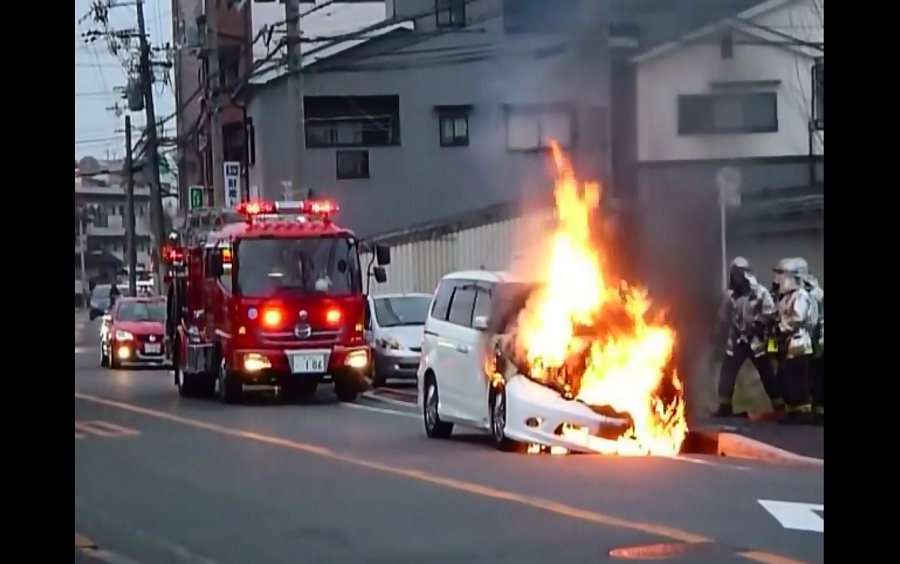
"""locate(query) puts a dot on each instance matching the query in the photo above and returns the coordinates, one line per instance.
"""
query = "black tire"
(231, 390)
(434, 427)
(498, 404)
(114, 363)
(347, 388)
(378, 381)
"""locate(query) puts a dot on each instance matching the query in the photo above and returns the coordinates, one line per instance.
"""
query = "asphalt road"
(163, 480)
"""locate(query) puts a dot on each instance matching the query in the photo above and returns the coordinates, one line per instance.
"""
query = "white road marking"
(383, 399)
(704, 462)
(797, 516)
(382, 410)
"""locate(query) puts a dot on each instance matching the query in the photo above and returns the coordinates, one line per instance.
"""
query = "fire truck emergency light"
(322, 208)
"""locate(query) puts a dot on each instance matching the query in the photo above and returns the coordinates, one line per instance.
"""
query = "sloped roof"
(339, 26)
(740, 23)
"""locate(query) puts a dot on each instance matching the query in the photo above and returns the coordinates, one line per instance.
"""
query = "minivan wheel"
(499, 421)
(434, 427)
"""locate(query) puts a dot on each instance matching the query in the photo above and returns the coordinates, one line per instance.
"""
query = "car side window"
(483, 302)
(441, 305)
(462, 306)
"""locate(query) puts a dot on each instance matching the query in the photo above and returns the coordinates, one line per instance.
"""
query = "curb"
(738, 446)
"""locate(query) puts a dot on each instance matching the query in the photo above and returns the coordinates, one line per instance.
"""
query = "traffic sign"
(195, 197)
(797, 516)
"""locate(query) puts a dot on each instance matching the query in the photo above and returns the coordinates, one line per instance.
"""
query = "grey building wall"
(782, 215)
(420, 181)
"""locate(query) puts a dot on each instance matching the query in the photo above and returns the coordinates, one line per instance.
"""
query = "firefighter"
(749, 312)
(817, 363)
(796, 315)
(114, 294)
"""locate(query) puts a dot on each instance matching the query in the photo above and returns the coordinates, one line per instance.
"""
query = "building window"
(454, 126)
(534, 129)
(709, 114)
(352, 121)
(450, 13)
(352, 165)
(541, 16)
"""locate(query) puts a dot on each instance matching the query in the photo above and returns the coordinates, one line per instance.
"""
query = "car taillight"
(272, 317)
(333, 316)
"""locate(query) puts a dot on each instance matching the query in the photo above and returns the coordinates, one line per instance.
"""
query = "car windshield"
(402, 310)
(322, 265)
(142, 311)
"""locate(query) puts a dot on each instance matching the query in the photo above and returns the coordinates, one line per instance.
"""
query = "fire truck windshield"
(323, 265)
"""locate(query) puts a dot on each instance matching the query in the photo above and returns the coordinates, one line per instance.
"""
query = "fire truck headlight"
(254, 362)
(357, 359)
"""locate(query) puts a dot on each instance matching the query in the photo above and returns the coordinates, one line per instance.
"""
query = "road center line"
(450, 483)
(382, 410)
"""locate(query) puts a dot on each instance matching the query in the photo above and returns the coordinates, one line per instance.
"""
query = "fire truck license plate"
(153, 348)
(308, 364)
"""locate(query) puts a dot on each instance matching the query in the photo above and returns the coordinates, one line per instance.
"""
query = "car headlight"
(124, 336)
(390, 344)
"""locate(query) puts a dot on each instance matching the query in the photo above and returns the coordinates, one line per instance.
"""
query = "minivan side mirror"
(382, 255)
(480, 323)
(380, 274)
(214, 266)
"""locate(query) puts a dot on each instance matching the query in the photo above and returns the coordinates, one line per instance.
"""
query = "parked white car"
(469, 314)
(395, 329)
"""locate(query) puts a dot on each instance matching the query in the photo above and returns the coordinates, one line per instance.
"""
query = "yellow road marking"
(103, 429)
(458, 485)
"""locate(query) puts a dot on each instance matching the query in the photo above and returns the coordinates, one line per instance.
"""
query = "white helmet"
(788, 275)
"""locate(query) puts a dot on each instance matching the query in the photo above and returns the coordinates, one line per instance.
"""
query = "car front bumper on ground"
(133, 353)
(536, 415)
(396, 365)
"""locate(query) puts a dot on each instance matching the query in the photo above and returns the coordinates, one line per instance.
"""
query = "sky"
(98, 131)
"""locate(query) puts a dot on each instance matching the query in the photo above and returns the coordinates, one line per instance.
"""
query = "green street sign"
(195, 198)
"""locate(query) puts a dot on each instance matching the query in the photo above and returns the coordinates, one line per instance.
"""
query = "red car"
(134, 333)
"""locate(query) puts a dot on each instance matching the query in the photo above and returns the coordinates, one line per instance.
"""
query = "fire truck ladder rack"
(202, 221)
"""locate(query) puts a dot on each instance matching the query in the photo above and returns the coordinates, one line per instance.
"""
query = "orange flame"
(626, 366)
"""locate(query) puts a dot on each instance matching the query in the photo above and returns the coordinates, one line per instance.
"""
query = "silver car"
(395, 328)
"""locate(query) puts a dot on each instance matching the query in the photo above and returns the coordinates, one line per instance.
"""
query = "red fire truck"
(271, 295)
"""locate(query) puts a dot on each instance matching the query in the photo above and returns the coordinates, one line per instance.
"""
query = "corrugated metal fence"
(418, 265)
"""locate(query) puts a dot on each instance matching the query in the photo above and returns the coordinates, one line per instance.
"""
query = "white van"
(468, 313)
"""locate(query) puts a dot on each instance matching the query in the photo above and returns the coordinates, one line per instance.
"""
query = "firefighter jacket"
(797, 314)
(817, 296)
(749, 316)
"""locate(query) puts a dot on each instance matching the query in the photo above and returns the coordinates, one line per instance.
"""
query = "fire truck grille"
(316, 337)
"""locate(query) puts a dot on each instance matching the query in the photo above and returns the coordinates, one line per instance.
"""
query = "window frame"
(364, 174)
(450, 14)
(541, 113)
(451, 115)
(469, 287)
(688, 127)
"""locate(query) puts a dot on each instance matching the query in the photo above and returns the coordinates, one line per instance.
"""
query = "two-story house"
(734, 109)
(443, 109)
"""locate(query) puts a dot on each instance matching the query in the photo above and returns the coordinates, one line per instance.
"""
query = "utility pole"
(156, 209)
(82, 249)
(295, 94)
(130, 228)
(215, 118)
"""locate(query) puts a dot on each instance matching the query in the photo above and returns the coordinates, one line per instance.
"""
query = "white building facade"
(740, 100)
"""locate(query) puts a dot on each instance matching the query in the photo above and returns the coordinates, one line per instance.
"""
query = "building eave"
(733, 23)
